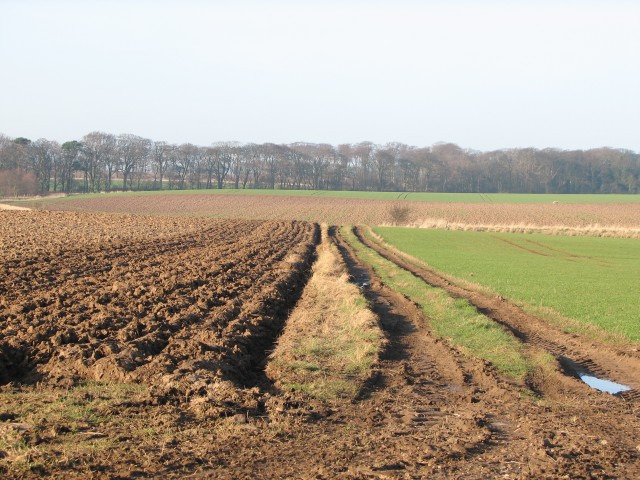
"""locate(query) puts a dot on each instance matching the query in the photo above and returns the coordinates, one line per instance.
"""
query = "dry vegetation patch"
(332, 339)
(4, 206)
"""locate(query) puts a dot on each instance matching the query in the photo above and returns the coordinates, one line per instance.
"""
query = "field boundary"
(594, 230)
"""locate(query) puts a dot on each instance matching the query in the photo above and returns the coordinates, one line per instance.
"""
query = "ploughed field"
(586, 218)
(141, 346)
(179, 305)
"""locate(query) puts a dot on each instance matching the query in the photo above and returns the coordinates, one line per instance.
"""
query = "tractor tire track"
(444, 393)
(575, 354)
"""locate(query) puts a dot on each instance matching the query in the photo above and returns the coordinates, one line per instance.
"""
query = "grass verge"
(332, 339)
(452, 319)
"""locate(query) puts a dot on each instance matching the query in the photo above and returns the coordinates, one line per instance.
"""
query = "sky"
(482, 74)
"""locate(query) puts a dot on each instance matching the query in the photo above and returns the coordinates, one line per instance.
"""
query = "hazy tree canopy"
(102, 161)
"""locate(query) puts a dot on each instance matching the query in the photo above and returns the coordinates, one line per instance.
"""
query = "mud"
(222, 290)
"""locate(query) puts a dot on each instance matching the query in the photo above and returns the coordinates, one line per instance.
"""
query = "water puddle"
(360, 277)
(603, 385)
(573, 368)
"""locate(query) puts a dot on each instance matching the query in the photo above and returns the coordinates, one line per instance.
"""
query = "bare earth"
(188, 310)
(619, 220)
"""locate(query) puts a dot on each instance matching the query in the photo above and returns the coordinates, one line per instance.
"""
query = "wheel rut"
(460, 419)
(576, 355)
(425, 390)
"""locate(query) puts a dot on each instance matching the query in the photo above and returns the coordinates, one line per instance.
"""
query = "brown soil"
(198, 340)
(620, 220)
(186, 314)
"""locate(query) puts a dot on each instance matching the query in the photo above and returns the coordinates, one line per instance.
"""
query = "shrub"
(399, 214)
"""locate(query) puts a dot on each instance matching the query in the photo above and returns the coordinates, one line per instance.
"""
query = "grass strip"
(452, 319)
(430, 197)
(332, 339)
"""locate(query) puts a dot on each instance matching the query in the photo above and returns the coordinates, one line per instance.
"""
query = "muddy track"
(576, 354)
(427, 411)
(434, 412)
(432, 393)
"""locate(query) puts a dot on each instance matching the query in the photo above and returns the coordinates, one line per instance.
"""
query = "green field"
(413, 196)
(588, 279)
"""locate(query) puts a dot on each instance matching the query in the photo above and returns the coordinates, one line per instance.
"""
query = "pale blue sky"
(482, 74)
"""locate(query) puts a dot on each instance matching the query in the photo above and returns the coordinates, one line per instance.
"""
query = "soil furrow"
(209, 301)
(107, 260)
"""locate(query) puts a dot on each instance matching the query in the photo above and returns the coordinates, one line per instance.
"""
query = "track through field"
(575, 353)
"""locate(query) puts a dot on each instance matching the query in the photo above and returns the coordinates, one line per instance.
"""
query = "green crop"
(588, 279)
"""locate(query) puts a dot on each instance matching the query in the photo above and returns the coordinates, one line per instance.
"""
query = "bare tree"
(239, 165)
(142, 166)
(383, 162)
(269, 155)
(362, 159)
(70, 162)
(16, 175)
(160, 161)
(99, 154)
(132, 152)
(254, 155)
(298, 170)
(183, 161)
(318, 158)
(13, 153)
(223, 157)
(43, 156)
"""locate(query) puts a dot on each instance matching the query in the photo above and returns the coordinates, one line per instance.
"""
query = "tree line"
(102, 161)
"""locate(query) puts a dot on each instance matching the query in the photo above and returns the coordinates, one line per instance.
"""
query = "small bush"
(399, 214)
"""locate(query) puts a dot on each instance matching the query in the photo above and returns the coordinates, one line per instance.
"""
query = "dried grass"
(591, 230)
(332, 339)
(5, 206)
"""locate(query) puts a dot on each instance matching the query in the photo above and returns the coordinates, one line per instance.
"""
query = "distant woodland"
(105, 162)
